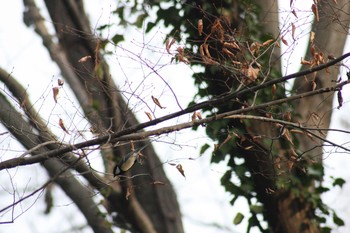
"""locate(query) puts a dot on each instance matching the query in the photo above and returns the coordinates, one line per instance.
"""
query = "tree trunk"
(156, 203)
(285, 211)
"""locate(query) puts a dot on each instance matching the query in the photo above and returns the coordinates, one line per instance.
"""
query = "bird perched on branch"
(126, 163)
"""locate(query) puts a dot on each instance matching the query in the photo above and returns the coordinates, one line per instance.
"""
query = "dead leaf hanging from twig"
(180, 169)
(60, 82)
(314, 9)
(200, 27)
(55, 92)
(149, 116)
(340, 100)
(61, 124)
(169, 42)
(156, 101)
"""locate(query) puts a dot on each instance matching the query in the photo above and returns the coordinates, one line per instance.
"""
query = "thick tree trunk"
(286, 212)
(158, 203)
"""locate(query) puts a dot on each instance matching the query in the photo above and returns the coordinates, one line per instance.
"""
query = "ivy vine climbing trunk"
(288, 210)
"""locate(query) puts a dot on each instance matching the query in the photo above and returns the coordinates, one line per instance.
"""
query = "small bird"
(125, 164)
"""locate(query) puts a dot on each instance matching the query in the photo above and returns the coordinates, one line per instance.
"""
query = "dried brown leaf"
(268, 42)
(314, 9)
(297, 131)
(228, 52)
(250, 73)
(181, 170)
(169, 42)
(199, 115)
(284, 41)
(84, 59)
(273, 90)
(200, 27)
(287, 136)
(55, 91)
(194, 116)
(156, 101)
(340, 100)
(60, 82)
(293, 31)
(149, 116)
(312, 37)
(61, 124)
(232, 45)
(305, 62)
(294, 13)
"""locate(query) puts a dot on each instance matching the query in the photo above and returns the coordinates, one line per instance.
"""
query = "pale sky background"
(203, 202)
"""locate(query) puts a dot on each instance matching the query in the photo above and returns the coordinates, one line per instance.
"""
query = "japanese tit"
(125, 164)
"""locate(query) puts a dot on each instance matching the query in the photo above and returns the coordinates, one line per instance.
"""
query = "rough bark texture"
(286, 212)
(151, 208)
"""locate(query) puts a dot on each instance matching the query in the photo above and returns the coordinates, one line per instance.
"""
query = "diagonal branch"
(127, 135)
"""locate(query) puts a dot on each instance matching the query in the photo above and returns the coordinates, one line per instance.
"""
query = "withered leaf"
(297, 131)
(182, 58)
(284, 41)
(60, 82)
(340, 100)
(250, 73)
(267, 42)
(169, 42)
(194, 116)
(314, 9)
(293, 31)
(55, 91)
(294, 13)
(180, 169)
(84, 59)
(61, 124)
(156, 101)
(199, 115)
(273, 90)
(287, 136)
(312, 37)
(200, 27)
(305, 62)
(149, 116)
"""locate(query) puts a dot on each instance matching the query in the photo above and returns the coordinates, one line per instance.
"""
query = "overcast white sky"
(201, 197)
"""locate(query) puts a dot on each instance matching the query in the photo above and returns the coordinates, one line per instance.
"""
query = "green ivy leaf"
(149, 26)
(326, 230)
(238, 219)
(339, 181)
(338, 220)
(256, 208)
(203, 149)
(117, 38)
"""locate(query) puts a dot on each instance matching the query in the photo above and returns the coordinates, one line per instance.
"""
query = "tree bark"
(76, 40)
(285, 211)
